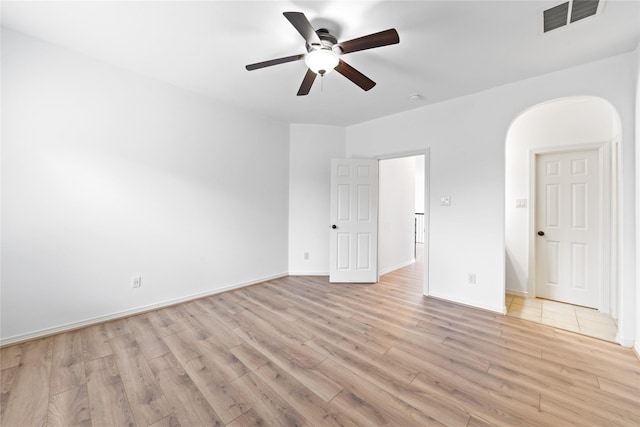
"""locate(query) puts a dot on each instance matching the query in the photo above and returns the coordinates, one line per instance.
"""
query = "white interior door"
(568, 237)
(353, 250)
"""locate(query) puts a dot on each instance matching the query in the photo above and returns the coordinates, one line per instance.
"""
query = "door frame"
(608, 192)
(427, 207)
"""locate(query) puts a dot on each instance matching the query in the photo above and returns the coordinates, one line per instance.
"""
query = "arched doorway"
(568, 126)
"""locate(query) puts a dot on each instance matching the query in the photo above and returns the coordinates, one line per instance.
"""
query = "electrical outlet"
(472, 278)
(306, 255)
(136, 282)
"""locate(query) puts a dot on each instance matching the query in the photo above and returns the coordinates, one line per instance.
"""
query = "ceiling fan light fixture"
(321, 61)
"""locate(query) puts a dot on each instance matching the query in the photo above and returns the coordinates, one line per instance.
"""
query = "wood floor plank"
(214, 380)
(621, 390)
(286, 327)
(147, 336)
(468, 378)
(569, 393)
(170, 421)
(267, 404)
(290, 346)
(324, 387)
(166, 321)
(497, 411)
(202, 318)
(314, 409)
(213, 306)
(268, 301)
(95, 342)
(29, 398)
(107, 398)
(368, 404)
(595, 415)
(117, 327)
(249, 419)
(439, 409)
(185, 345)
(619, 373)
(249, 356)
(338, 335)
(10, 356)
(7, 376)
(190, 406)
(67, 370)
(535, 365)
(70, 408)
(146, 400)
(354, 351)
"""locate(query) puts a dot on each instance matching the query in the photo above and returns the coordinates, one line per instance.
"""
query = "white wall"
(311, 149)
(420, 165)
(396, 191)
(467, 137)
(107, 175)
(564, 123)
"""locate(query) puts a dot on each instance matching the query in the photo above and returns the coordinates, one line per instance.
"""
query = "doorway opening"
(402, 225)
(546, 265)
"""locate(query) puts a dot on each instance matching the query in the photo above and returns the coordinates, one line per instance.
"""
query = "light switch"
(445, 200)
(521, 203)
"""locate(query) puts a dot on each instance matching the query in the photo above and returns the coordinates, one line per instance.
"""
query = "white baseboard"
(308, 273)
(628, 343)
(462, 301)
(636, 349)
(515, 292)
(396, 267)
(126, 313)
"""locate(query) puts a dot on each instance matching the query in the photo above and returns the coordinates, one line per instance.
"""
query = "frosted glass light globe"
(321, 61)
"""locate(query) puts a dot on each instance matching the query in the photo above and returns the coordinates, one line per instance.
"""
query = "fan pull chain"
(321, 83)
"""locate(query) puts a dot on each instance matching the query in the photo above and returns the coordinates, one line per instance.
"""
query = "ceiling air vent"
(568, 12)
(556, 17)
(583, 8)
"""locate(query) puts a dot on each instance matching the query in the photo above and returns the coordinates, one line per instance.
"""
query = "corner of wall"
(637, 205)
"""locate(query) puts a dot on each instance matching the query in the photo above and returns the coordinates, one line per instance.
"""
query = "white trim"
(627, 343)
(402, 154)
(396, 267)
(427, 219)
(427, 206)
(455, 299)
(608, 234)
(308, 273)
(517, 292)
(126, 313)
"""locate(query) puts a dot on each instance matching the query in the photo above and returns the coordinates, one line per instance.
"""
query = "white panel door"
(568, 237)
(354, 221)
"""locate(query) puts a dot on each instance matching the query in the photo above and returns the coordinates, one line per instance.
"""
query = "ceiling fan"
(323, 51)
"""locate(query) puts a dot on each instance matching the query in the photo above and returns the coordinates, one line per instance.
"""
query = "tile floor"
(586, 321)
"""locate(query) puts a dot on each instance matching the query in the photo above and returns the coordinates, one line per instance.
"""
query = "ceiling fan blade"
(354, 75)
(383, 38)
(307, 82)
(304, 27)
(271, 62)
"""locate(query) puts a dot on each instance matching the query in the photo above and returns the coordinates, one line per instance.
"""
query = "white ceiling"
(447, 48)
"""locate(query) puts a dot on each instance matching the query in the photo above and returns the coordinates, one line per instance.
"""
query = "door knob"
(334, 226)
(540, 233)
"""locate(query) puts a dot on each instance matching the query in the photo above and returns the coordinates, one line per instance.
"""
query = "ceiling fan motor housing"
(327, 40)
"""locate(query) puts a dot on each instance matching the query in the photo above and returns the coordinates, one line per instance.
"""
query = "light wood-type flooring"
(299, 351)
